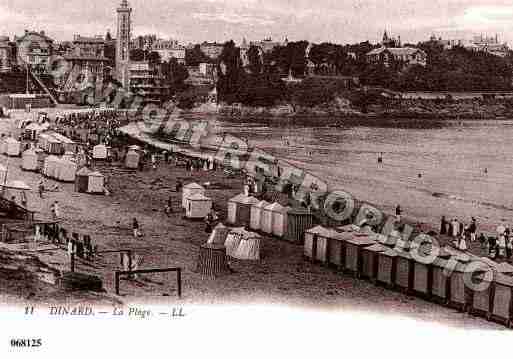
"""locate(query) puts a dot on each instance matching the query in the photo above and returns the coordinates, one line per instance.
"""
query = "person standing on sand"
(473, 230)
(443, 225)
(54, 208)
(398, 212)
(135, 228)
(501, 239)
(41, 188)
(455, 227)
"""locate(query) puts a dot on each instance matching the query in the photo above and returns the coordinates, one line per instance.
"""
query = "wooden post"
(72, 262)
(212, 261)
(116, 279)
(129, 252)
(179, 279)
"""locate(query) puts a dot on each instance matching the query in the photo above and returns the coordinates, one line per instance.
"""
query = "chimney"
(42, 32)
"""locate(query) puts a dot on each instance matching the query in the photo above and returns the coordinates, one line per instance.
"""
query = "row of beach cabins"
(454, 278)
(59, 158)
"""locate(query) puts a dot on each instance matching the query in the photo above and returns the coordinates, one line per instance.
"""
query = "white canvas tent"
(249, 247)
(233, 240)
(189, 190)
(66, 170)
(96, 182)
(13, 147)
(29, 160)
(197, 206)
(100, 152)
(50, 165)
(218, 235)
(256, 215)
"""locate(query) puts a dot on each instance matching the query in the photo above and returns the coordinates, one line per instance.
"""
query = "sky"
(339, 21)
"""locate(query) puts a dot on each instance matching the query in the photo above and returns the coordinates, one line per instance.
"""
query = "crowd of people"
(499, 245)
(98, 125)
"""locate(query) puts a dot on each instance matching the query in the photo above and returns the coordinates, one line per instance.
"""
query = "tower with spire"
(123, 43)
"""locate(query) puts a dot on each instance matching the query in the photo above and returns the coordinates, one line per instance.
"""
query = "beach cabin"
(440, 281)
(267, 219)
(198, 206)
(256, 215)
(249, 247)
(219, 234)
(370, 261)
(132, 159)
(13, 147)
(100, 152)
(32, 131)
(481, 296)
(29, 160)
(386, 267)
(279, 219)
(239, 209)
(404, 271)
(298, 221)
(503, 299)
(49, 144)
(316, 242)
(353, 251)
(95, 183)
(190, 189)
(50, 165)
(458, 295)
(67, 144)
(82, 180)
(66, 170)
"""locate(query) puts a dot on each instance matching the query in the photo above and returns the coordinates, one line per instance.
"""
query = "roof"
(33, 33)
(319, 230)
(276, 207)
(95, 174)
(19, 185)
(193, 185)
(198, 197)
(261, 204)
(11, 140)
(396, 51)
(89, 39)
(85, 58)
(84, 171)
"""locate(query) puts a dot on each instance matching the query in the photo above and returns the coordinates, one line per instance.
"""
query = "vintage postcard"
(255, 177)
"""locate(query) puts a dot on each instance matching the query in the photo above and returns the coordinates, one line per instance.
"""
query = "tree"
(175, 75)
(194, 56)
(137, 55)
(255, 61)
(153, 58)
(230, 72)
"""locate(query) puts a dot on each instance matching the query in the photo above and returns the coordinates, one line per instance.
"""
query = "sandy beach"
(282, 277)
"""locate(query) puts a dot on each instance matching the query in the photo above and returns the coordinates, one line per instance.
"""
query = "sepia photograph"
(318, 174)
